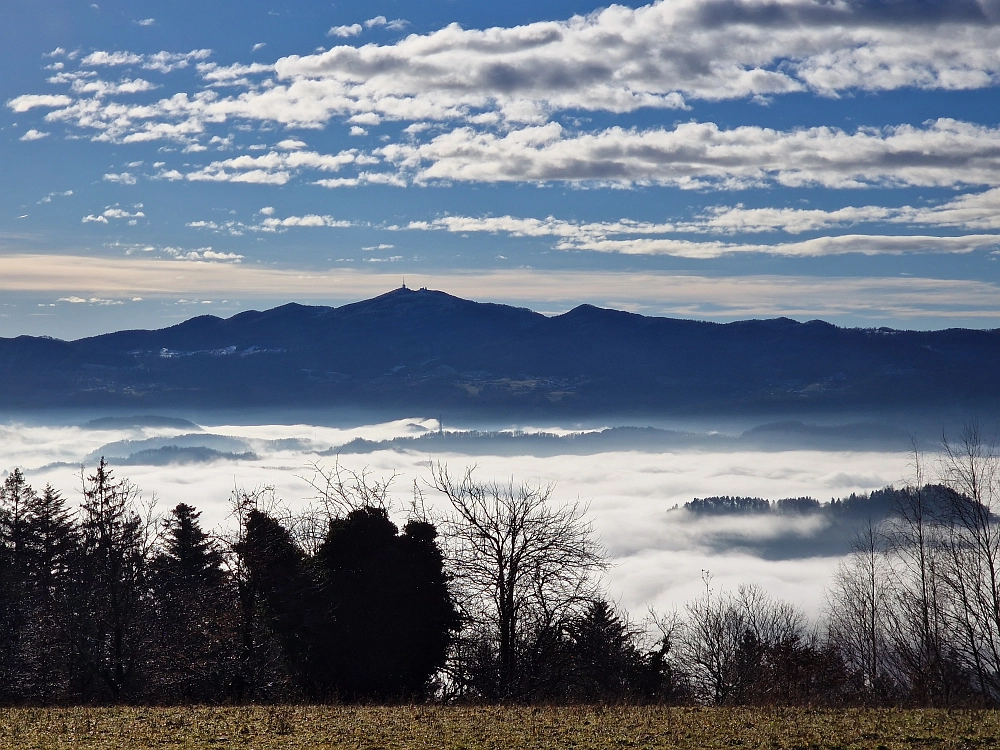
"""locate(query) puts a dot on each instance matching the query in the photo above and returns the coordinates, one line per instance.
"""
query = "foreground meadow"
(495, 728)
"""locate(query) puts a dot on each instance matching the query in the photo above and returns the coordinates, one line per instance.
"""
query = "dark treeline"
(878, 505)
(497, 599)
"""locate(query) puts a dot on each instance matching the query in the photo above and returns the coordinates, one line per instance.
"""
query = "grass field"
(460, 728)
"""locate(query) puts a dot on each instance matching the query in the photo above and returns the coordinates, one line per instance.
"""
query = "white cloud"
(102, 58)
(162, 62)
(612, 237)
(145, 22)
(970, 211)
(365, 118)
(99, 88)
(549, 227)
(113, 212)
(125, 178)
(30, 101)
(204, 254)
(975, 211)
(731, 220)
(231, 75)
(120, 213)
(345, 31)
(166, 62)
(71, 76)
(271, 224)
(48, 198)
(258, 46)
(358, 130)
(292, 144)
(821, 246)
(655, 56)
(338, 182)
(397, 24)
(944, 152)
(657, 556)
(33, 135)
(273, 168)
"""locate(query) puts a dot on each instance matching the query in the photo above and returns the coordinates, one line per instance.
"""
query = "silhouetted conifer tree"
(390, 605)
(278, 574)
(195, 612)
(112, 629)
(367, 618)
(16, 496)
(606, 666)
(52, 546)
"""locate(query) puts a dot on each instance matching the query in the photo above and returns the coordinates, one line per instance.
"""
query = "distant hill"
(778, 436)
(428, 351)
(119, 423)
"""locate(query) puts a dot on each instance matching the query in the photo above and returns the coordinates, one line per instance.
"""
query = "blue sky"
(715, 159)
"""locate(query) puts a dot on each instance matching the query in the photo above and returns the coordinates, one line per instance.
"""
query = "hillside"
(427, 350)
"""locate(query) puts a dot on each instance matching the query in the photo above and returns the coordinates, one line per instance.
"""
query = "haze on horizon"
(694, 158)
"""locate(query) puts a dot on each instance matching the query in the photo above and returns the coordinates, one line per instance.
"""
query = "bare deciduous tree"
(971, 544)
(339, 491)
(859, 612)
(520, 563)
(729, 643)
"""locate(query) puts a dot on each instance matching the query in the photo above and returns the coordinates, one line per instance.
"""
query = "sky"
(710, 159)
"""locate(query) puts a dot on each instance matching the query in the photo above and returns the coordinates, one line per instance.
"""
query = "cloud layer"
(620, 236)
(656, 56)
(696, 155)
(658, 554)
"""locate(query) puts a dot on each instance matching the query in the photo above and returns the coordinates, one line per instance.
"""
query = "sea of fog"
(659, 553)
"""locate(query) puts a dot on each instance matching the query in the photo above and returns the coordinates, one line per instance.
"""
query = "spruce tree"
(112, 630)
(194, 612)
(52, 551)
(16, 496)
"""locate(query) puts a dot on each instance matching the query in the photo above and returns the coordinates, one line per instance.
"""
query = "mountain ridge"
(430, 350)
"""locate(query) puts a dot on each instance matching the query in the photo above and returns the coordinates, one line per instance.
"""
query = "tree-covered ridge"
(426, 350)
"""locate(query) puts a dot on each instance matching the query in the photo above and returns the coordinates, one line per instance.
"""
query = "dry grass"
(494, 728)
